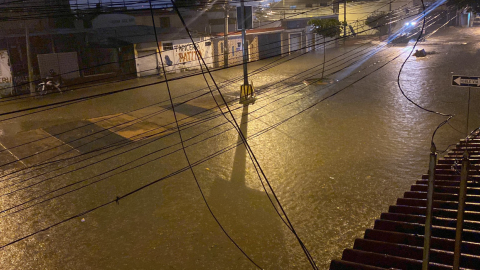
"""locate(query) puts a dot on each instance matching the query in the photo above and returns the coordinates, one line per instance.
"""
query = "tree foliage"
(379, 21)
(470, 5)
(326, 27)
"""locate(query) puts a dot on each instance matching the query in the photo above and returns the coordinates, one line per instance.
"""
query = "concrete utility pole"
(344, 19)
(53, 43)
(247, 94)
(29, 61)
(389, 19)
(225, 38)
(244, 44)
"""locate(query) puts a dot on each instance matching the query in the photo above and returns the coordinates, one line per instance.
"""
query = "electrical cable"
(75, 169)
(122, 123)
(185, 152)
(118, 167)
(254, 135)
(116, 200)
(76, 99)
(99, 65)
(60, 174)
(245, 143)
(172, 103)
(90, 67)
(449, 116)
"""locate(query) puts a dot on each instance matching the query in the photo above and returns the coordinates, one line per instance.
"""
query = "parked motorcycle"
(49, 84)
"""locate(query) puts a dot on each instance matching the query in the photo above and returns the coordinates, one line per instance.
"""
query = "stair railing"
(428, 218)
(462, 195)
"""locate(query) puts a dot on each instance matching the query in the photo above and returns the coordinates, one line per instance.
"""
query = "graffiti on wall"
(185, 57)
(189, 56)
(5, 72)
(187, 53)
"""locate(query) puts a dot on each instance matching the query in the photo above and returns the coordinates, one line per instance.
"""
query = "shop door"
(295, 42)
(269, 45)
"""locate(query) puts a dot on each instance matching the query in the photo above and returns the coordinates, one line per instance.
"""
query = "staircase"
(396, 240)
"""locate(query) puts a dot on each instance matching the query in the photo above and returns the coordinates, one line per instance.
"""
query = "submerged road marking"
(51, 135)
(13, 155)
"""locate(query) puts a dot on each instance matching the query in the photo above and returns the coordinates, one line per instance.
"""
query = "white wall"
(184, 57)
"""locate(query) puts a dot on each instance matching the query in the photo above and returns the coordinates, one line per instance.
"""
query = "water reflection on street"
(335, 168)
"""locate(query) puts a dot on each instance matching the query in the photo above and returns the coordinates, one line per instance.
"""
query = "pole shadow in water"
(247, 214)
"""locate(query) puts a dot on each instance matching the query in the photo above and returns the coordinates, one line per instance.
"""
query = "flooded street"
(335, 163)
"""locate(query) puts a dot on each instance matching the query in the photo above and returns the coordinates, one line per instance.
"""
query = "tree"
(379, 21)
(470, 5)
(326, 28)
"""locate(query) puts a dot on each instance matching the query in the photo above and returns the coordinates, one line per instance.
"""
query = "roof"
(136, 34)
(55, 31)
(309, 18)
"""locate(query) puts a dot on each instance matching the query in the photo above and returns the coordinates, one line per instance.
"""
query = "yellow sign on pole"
(247, 94)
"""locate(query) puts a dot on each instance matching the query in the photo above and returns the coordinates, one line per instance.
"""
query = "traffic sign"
(458, 80)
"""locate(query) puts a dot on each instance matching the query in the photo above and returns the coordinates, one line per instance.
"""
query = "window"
(208, 43)
(164, 22)
(167, 46)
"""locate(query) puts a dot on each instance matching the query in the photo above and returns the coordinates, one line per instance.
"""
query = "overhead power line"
(63, 103)
(118, 198)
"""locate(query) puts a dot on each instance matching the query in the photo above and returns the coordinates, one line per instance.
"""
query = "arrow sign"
(466, 81)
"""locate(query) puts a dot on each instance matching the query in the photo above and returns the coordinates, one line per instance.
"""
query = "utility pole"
(247, 94)
(225, 38)
(344, 20)
(29, 61)
(53, 43)
(244, 43)
(389, 19)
